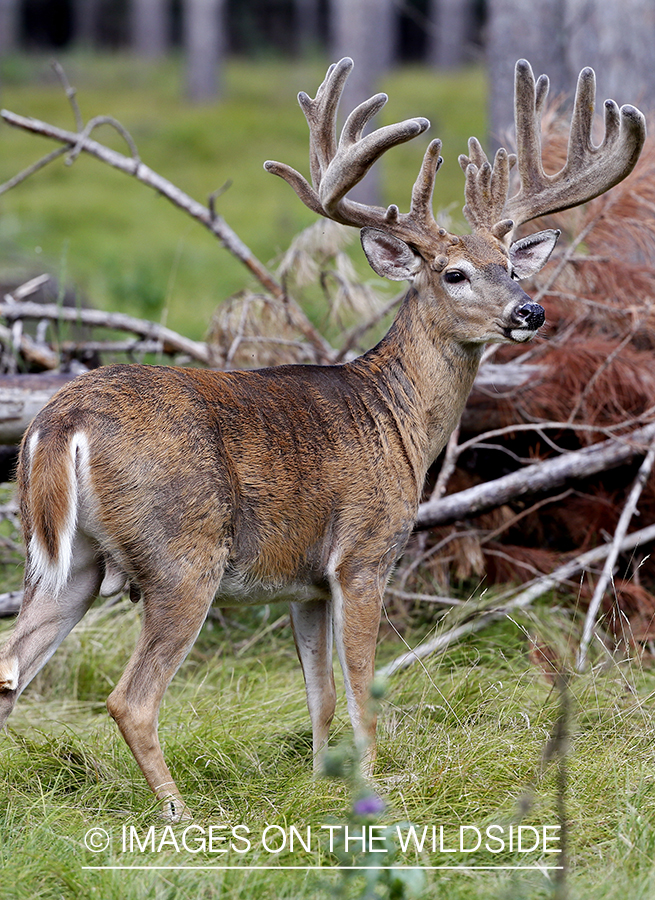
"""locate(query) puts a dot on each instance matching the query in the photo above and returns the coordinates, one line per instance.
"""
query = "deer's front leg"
(357, 600)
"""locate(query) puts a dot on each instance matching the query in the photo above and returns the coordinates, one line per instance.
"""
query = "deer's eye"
(454, 276)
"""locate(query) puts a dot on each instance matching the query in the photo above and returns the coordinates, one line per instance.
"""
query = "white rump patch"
(54, 573)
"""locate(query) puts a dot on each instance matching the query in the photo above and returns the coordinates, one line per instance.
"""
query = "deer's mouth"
(520, 335)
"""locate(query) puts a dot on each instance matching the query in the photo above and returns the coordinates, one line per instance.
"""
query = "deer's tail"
(50, 469)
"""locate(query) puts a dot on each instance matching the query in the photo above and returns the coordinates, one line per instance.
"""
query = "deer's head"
(467, 284)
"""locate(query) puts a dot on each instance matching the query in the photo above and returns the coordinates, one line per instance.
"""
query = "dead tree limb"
(538, 477)
(132, 165)
(21, 397)
(31, 351)
(10, 603)
(169, 339)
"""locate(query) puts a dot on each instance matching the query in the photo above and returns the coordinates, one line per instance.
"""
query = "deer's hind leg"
(44, 620)
(172, 617)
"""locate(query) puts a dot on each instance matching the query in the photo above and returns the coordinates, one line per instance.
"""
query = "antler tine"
(529, 102)
(353, 161)
(321, 115)
(421, 206)
(359, 118)
(337, 168)
(589, 170)
(486, 188)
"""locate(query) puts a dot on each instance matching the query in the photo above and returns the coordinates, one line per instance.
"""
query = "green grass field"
(462, 743)
(462, 740)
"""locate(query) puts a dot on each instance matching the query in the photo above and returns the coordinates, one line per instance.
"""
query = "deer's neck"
(424, 377)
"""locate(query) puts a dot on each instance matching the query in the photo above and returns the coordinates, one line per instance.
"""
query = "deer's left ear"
(531, 253)
(388, 256)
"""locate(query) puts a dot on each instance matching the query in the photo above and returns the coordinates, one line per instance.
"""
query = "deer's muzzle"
(529, 315)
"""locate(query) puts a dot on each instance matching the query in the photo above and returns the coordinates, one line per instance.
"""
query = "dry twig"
(615, 548)
(521, 599)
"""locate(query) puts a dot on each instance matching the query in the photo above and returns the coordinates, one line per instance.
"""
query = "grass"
(125, 246)
(461, 743)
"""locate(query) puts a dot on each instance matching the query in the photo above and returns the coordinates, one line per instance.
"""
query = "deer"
(295, 482)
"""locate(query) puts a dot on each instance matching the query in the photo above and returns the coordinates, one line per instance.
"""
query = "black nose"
(531, 315)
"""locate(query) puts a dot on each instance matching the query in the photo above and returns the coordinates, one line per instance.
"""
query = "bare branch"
(615, 548)
(520, 600)
(119, 321)
(448, 466)
(531, 479)
(143, 173)
(71, 93)
(95, 123)
(30, 170)
(423, 598)
(32, 351)
(131, 165)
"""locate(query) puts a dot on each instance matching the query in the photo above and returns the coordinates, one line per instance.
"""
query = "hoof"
(174, 810)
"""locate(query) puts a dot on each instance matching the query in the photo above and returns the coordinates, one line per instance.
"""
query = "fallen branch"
(132, 165)
(10, 603)
(170, 340)
(30, 350)
(130, 347)
(422, 598)
(538, 477)
(21, 397)
(520, 600)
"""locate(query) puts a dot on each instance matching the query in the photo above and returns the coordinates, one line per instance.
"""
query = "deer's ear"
(388, 256)
(531, 253)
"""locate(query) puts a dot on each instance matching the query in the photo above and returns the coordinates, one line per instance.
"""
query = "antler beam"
(337, 166)
(589, 170)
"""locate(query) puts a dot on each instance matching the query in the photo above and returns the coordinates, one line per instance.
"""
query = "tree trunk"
(307, 25)
(149, 27)
(559, 38)
(518, 30)
(448, 36)
(85, 22)
(618, 41)
(363, 30)
(9, 20)
(204, 43)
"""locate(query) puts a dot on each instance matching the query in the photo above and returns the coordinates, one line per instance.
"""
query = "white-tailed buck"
(295, 482)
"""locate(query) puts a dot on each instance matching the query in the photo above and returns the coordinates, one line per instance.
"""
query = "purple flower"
(369, 805)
